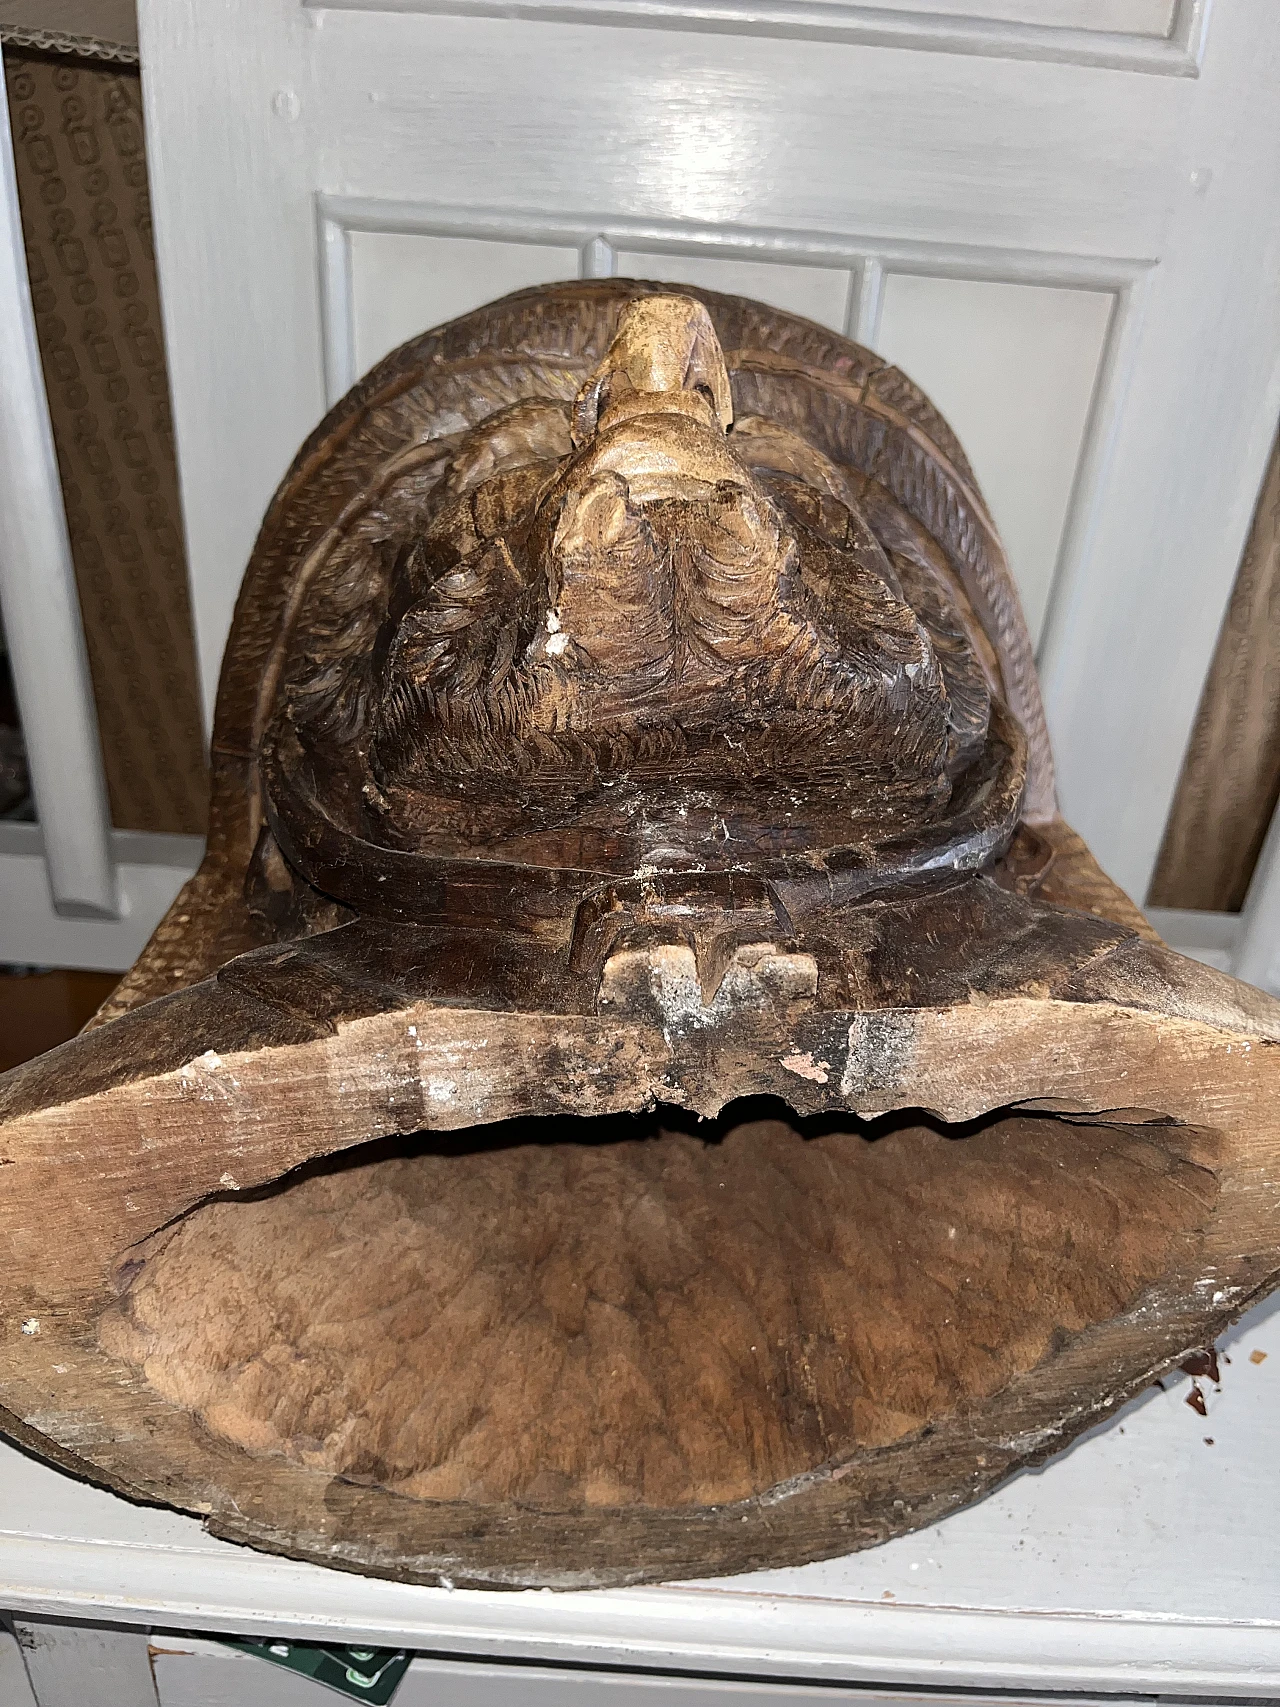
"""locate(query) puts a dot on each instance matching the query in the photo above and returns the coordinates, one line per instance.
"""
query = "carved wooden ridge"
(628, 711)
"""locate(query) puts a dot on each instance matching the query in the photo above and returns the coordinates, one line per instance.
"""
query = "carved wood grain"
(1041, 1154)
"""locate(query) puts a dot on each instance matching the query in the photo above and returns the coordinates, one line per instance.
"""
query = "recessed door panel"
(819, 293)
(1013, 368)
(403, 283)
(1132, 17)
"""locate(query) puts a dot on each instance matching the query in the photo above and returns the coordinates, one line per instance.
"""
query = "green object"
(361, 1674)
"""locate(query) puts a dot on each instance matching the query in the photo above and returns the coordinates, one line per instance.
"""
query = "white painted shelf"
(1144, 1560)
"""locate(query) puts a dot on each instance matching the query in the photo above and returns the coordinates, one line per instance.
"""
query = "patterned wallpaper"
(82, 181)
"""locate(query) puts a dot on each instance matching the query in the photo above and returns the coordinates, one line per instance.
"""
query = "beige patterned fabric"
(1231, 776)
(82, 181)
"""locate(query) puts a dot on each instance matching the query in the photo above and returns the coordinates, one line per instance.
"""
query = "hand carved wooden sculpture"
(628, 711)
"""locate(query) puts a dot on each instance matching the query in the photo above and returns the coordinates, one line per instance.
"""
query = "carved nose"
(650, 425)
(656, 409)
(664, 358)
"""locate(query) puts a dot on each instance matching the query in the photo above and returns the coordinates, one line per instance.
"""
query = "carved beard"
(634, 624)
(591, 642)
(632, 634)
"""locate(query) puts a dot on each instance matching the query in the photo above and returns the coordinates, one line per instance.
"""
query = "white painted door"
(1057, 215)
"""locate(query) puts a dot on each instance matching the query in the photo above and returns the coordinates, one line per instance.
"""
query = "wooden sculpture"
(628, 711)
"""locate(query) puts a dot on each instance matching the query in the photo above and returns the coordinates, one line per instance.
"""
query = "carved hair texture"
(627, 614)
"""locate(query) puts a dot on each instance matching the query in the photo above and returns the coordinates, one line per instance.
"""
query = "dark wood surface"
(644, 1083)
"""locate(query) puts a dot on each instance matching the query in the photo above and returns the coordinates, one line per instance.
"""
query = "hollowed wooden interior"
(648, 1310)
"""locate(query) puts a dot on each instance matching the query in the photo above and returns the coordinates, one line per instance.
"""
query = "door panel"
(1013, 368)
(1164, 37)
(819, 293)
(1080, 264)
(403, 283)
(1132, 17)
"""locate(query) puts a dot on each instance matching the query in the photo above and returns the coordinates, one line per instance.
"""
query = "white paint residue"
(442, 1090)
(805, 1067)
(455, 1053)
(230, 1182)
(557, 644)
(553, 622)
(202, 1077)
(31, 1325)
